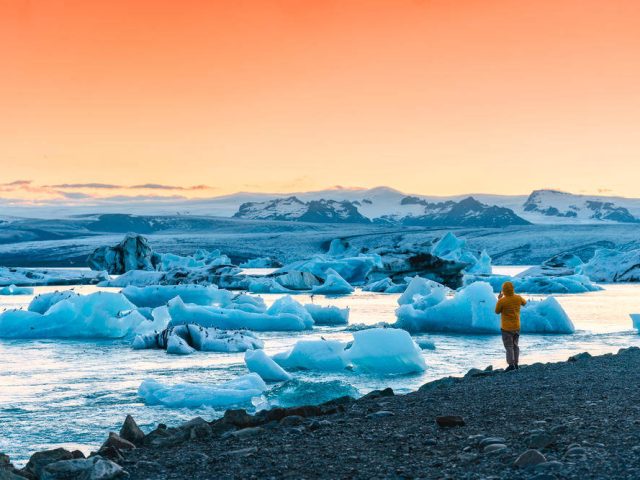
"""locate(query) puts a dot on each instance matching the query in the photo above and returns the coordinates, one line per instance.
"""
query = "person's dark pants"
(510, 341)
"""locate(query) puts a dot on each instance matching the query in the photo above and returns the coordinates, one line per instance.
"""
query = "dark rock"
(94, 468)
(580, 356)
(387, 392)
(450, 421)
(494, 447)
(292, 421)
(131, 432)
(196, 428)
(540, 440)
(39, 460)
(490, 441)
(381, 414)
(117, 442)
(239, 418)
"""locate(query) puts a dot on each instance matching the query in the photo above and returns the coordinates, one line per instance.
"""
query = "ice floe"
(259, 362)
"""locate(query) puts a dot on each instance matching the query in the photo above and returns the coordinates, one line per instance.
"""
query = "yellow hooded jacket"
(509, 308)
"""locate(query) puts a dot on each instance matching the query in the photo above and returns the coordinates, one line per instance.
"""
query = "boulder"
(117, 442)
(39, 460)
(94, 468)
(131, 432)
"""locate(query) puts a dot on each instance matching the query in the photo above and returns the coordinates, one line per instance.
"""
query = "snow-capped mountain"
(408, 210)
(294, 209)
(468, 212)
(580, 208)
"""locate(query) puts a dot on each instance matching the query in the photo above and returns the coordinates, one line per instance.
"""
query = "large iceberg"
(133, 253)
(199, 338)
(284, 315)
(538, 284)
(259, 362)
(333, 284)
(31, 277)
(424, 290)
(239, 391)
(374, 350)
(385, 351)
(157, 295)
(450, 247)
(330, 315)
(98, 315)
(612, 266)
(322, 355)
(472, 310)
(43, 302)
(353, 270)
(202, 258)
(563, 264)
(13, 290)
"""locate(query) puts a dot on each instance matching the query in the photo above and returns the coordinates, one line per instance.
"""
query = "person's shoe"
(517, 367)
(510, 368)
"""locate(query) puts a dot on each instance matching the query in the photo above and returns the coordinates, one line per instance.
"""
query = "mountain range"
(375, 205)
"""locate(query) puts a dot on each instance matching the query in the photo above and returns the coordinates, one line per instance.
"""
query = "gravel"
(571, 420)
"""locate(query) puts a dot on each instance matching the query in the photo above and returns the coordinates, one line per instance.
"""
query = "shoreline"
(576, 419)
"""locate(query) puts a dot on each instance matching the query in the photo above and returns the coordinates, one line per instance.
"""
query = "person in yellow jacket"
(508, 307)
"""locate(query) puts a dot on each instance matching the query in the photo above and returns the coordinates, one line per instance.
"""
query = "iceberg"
(538, 284)
(353, 270)
(612, 266)
(32, 277)
(177, 345)
(471, 310)
(563, 264)
(13, 290)
(133, 253)
(43, 302)
(334, 284)
(158, 295)
(259, 362)
(201, 258)
(98, 315)
(385, 351)
(267, 285)
(635, 318)
(321, 355)
(239, 391)
(261, 262)
(452, 248)
(385, 285)
(279, 317)
(298, 392)
(424, 289)
(328, 315)
(138, 278)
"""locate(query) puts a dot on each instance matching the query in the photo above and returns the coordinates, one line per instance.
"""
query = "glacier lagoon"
(71, 393)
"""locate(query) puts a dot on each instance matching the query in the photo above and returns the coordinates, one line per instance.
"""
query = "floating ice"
(635, 318)
(13, 290)
(322, 355)
(471, 310)
(427, 291)
(138, 278)
(267, 285)
(43, 302)
(201, 258)
(298, 392)
(385, 351)
(31, 277)
(98, 315)
(353, 270)
(559, 265)
(239, 391)
(177, 345)
(612, 266)
(328, 315)
(334, 284)
(539, 284)
(455, 249)
(262, 262)
(386, 285)
(157, 295)
(282, 316)
(259, 362)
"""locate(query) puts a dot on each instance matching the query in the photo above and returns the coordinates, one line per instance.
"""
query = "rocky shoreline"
(574, 419)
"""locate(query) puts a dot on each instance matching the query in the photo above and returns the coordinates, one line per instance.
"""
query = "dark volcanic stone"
(450, 421)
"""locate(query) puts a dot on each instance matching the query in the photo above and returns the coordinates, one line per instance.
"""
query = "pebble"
(494, 447)
(530, 458)
(381, 414)
(540, 440)
(450, 421)
(490, 440)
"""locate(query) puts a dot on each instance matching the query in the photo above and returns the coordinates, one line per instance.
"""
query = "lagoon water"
(72, 393)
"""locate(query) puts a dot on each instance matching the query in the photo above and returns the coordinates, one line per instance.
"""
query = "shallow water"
(71, 393)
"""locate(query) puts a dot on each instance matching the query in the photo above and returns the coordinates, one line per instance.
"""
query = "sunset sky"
(218, 96)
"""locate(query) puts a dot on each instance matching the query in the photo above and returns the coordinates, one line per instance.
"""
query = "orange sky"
(432, 97)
